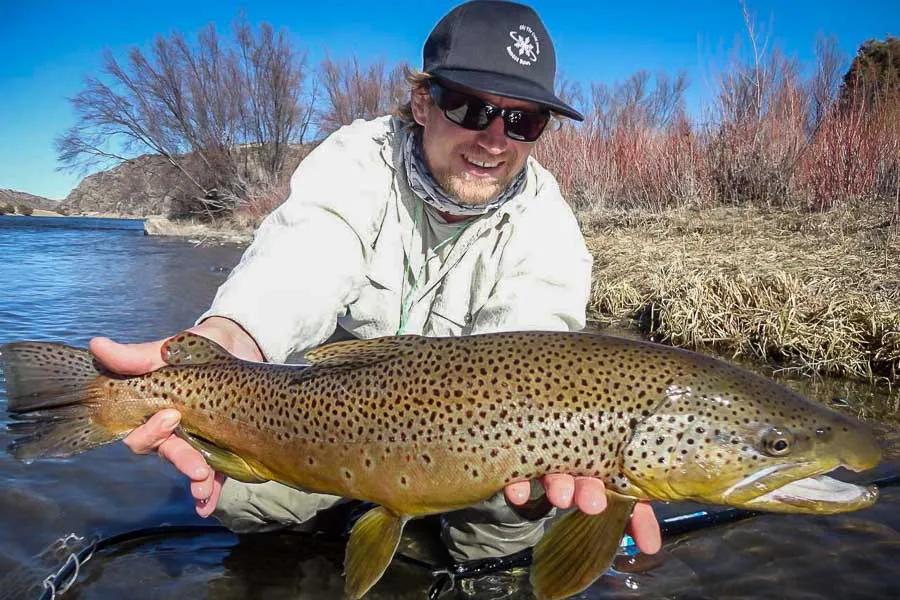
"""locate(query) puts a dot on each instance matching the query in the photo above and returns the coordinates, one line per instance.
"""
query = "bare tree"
(827, 79)
(637, 103)
(223, 114)
(353, 92)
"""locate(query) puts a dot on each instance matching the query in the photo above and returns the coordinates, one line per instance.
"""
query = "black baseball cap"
(499, 48)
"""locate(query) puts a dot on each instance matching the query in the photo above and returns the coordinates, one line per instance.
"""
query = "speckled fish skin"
(427, 425)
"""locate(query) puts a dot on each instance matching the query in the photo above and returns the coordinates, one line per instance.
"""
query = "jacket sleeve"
(307, 260)
(544, 276)
(269, 506)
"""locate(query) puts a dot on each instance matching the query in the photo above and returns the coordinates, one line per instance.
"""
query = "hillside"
(15, 198)
(150, 186)
(139, 187)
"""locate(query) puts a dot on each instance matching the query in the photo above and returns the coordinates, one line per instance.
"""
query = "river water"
(68, 279)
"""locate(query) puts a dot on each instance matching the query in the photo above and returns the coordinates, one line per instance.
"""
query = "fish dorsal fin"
(578, 549)
(372, 544)
(363, 352)
(188, 348)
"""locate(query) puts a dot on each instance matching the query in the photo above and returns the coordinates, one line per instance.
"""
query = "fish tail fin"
(54, 396)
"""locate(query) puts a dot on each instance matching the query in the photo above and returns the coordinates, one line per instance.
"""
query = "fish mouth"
(817, 494)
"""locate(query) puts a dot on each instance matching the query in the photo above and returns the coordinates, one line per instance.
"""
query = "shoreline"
(39, 212)
(157, 225)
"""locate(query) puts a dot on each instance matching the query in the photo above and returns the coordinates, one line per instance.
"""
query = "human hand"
(156, 435)
(588, 494)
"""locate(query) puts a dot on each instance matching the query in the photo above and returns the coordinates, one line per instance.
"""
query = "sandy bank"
(37, 212)
(201, 233)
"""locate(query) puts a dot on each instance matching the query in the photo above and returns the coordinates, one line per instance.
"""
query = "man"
(436, 222)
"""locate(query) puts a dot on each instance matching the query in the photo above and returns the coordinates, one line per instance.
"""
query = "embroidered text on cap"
(526, 47)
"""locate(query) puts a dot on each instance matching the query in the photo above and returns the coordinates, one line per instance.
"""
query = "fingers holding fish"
(590, 495)
(141, 358)
(205, 503)
(151, 435)
(127, 359)
(560, 489)
(187, 460)
(644, 528)
(157, 435)
(206, 484)
(518, 492)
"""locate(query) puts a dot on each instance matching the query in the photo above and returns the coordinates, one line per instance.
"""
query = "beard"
(473, 191)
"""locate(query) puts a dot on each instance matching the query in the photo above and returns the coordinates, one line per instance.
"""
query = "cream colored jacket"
(344, 249)
(333, 254)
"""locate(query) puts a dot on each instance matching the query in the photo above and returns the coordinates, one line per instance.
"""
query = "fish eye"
(777, 442)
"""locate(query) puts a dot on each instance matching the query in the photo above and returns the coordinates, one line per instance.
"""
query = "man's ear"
(421, 102)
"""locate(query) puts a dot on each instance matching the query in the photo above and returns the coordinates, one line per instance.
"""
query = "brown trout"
(427, 425)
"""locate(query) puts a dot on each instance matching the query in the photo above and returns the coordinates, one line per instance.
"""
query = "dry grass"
(812, 293)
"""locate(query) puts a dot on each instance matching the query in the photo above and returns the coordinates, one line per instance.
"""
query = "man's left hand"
(588, 494)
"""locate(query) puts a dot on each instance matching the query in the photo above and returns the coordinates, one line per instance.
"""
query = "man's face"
(472, 166)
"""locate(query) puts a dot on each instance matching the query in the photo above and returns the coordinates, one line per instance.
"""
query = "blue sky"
(47, 47)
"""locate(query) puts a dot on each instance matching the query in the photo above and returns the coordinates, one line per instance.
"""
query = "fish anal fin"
(372, 544)
(188, 348)
(222, 460)
(578, 549)
(362, 352)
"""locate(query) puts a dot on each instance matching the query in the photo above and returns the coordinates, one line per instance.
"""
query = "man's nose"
(493, 139)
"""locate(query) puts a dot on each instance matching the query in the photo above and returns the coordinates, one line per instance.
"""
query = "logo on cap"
(526, 46)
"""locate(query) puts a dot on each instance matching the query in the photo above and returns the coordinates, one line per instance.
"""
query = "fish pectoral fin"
(373, 541)
(188, 348)
(222, 460)
(578, 549)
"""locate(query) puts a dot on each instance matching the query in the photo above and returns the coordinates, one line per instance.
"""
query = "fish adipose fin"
(54, 396)
(372, 544)
(221, 460)
(578, 549)
(360, 353)
(188, 348)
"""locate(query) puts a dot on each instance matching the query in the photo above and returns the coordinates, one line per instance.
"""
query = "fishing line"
(58, 583)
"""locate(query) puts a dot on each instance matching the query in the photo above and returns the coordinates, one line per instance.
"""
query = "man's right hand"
(156, 435)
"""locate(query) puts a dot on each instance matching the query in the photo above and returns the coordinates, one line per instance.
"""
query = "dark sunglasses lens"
(475, 114)
(470, 115)
(447, 99)
(464, 110)
(525, 126)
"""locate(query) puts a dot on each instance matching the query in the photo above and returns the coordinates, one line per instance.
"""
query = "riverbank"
(812, 293)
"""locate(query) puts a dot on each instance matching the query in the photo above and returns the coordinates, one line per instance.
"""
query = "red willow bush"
(771, 138)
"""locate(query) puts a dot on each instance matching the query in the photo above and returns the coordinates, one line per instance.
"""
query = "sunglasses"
(470, 112)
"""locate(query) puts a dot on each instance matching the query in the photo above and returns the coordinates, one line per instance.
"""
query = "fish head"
(731, 437)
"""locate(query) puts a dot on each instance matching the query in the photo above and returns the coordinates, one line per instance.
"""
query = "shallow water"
(70, 279)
